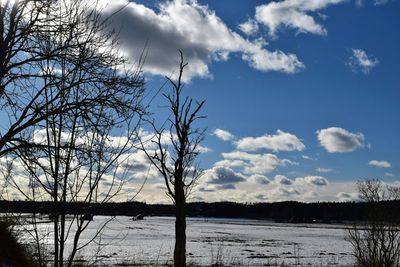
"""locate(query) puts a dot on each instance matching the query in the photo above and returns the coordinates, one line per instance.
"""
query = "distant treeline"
(289, 211)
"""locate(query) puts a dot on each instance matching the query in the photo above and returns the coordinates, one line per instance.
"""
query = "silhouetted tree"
(19, 21)
(63, 113)
(39, 40)
(176, 161)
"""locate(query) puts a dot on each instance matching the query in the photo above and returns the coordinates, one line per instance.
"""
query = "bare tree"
(68, 48)
(79, 165)
(21, 25)
(377, 242)
(19, 22)
(40, 40)
(176, 161)
(63, 105)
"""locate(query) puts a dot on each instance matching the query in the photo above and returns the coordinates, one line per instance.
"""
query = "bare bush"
(377, 242)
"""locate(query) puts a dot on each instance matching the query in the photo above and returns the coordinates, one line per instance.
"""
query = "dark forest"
(288, 211)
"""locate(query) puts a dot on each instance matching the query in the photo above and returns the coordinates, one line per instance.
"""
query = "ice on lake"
(237, 242)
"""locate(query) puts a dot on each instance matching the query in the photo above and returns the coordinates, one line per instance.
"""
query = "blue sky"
(335, 94)
(301, 95)
(309, 89)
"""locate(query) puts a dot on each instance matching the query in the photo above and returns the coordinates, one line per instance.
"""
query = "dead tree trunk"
(176, 162)
(180, 226)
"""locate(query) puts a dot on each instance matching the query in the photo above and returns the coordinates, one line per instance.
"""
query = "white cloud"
(339, 140)
(257, 163)
(282, 180)
(323, 170)
(310, 195)
(249, 27)
(312, 180)
(294, 14)
(236, 163)
(223, 135)
(204, 149)
(346, 197)
(281, 141)
(222, 178)
(136, 163)
(284, 193)
(194, 29)
(307, 157)
(360, 61)
(388, 174)
(263, 60)
(379, 163)
(259, 179)
(299, 191)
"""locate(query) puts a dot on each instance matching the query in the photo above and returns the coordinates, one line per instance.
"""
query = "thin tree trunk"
(180, 228)
(62, 234)
(56, 249)
(75, 246)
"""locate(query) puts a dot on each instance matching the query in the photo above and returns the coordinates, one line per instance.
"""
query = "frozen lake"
(228, 241)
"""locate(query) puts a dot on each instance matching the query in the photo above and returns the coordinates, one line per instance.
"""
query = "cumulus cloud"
(236, 163)
(339, 140)
(223, 135)
(313, 180)
(223, 176)
(248, 191)
(282, 180)
(379, 163)
(194, 29)
(259, 179)
(135, 166)
(310, 195)
(281, 141)
(286, 193)
(203, 149)
(257, 163)
(294, 14)
(360, 61)
(307, 157)
(346, 197)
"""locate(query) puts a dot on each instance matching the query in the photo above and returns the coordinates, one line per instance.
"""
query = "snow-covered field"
(229, 241)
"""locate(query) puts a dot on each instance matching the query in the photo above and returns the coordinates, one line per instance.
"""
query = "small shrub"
(12, 253)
